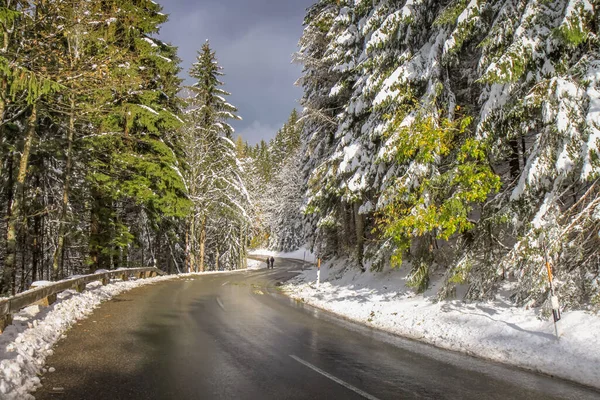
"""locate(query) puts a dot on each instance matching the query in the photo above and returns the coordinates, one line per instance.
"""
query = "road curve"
(233, 336)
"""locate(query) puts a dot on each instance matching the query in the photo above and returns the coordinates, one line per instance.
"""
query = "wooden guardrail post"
(46, 301)
(5, 321)
(80, 287)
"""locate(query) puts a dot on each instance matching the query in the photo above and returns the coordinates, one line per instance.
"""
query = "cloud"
(254, 41)
(256, 131)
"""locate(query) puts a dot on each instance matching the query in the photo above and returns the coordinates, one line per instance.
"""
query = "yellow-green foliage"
(454, 175)
(24, 81)
(461, 272)
(450, 15)
(577, 27)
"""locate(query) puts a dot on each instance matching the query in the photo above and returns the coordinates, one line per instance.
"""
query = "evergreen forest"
(453, 138)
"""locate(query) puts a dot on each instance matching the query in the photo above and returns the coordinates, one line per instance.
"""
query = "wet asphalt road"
(233, 336)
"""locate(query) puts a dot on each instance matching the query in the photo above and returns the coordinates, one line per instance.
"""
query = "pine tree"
(24, 83)
(89, 108)
(418, 112)
(276, 185)
(132, 159)
(213, 175)
(325, 94)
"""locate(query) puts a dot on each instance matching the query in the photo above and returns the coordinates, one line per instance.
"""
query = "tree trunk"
(100, 233)
(193, 245)
(187, 249)
(58, 261)
(515, 165)
(23, 245)
(36, 248)
(202, 243)
(42, 247)
(94, 233)
(158, 250)
(16, 209)
(169, 265)
(360, 235)
(345, 233)
(242, 248)
(217, 259)
(523, 150)
(125, 261)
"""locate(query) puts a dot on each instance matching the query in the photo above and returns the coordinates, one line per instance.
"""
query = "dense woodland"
(454, 138)
(275, 182)
(100, 155)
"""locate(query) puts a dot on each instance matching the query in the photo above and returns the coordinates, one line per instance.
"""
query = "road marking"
(333, 378)
(225, 283)
(220, 303)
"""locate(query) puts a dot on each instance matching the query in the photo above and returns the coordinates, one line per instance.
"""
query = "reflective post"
(318, 272)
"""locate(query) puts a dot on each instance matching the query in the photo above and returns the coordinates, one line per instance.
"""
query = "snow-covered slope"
(494, 330)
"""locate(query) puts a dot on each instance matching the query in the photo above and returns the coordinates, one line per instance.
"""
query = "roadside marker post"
(553, 298)
(318, 273)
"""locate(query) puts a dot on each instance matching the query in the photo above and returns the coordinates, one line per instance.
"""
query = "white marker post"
(318, 273)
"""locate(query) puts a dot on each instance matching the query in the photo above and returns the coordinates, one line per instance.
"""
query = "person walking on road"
(268, 262)
(272, 262)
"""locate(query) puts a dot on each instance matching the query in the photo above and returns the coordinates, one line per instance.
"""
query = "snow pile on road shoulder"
(25, 344)
(255, 264)
(494, 330)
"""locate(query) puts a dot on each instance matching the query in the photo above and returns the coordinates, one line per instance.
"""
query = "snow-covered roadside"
(25, 345)
(494, 330)
(255, 264)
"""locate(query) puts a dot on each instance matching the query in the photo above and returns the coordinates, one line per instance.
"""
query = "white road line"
(220, 303)
(225, 283)
(333, 378)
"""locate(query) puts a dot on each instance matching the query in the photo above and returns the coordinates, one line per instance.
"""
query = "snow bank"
(25, 344)
(255, 264)
(494, 330)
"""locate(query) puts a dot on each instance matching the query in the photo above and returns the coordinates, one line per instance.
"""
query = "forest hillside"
(456, 138)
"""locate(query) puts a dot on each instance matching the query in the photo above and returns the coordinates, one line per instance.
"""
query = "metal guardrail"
(46, 295)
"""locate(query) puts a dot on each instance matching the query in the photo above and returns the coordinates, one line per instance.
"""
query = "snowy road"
(232, 336)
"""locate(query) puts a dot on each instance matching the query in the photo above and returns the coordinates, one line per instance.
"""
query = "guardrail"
(46, 295)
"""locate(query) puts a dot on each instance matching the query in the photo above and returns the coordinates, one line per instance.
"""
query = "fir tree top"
(211, 109)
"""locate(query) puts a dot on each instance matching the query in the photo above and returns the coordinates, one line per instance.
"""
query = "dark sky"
(254, 41)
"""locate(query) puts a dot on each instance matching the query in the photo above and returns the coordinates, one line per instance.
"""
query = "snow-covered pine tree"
(445, 101)
(539, 72)
(327, 53)
(287, 230)
(214, 175)
(281, 191)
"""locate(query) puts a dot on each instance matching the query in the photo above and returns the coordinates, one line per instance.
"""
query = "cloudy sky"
(254, 41)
